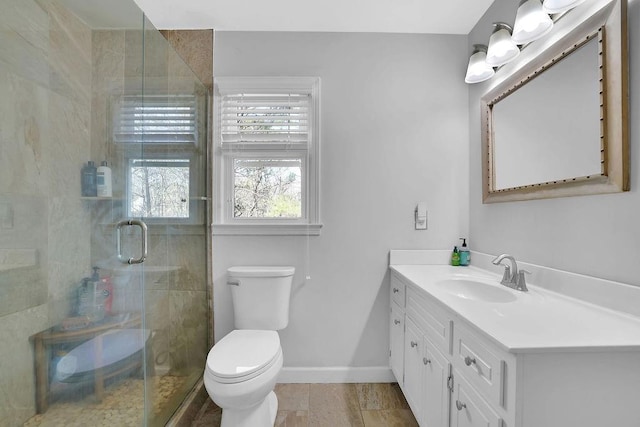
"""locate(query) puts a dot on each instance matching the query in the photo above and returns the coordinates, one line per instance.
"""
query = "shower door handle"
(143, 228)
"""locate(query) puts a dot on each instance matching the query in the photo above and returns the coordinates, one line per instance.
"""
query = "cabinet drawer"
(397, 289)
(479, 363)
(469, 409)
(434, 321)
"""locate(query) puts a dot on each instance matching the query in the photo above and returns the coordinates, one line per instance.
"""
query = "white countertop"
(536, 321)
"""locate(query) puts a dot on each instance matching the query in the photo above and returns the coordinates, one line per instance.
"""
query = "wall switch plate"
(420, 216)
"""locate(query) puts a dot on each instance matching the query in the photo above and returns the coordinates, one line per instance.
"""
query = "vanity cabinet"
(423, 371)
(453, 373)
(469, 408)
(396, 351)
(396, 328)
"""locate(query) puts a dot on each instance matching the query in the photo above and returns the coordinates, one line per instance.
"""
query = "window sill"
(266, 229)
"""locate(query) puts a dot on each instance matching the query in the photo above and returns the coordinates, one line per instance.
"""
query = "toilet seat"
(242, 355)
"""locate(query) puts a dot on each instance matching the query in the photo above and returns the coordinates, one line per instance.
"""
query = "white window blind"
(160, 119)
(265, 119)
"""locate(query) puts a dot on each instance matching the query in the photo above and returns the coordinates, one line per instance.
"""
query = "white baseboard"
(337, 374)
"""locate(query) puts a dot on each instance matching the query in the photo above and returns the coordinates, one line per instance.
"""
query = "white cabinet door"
(396, 342)
(413, 348)
(469, 409)
(436, 397)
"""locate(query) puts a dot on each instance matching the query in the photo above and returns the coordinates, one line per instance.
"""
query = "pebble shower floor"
(122, 406)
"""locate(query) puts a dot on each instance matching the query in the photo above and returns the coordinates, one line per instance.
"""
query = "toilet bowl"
(240, 375)
(242, 368)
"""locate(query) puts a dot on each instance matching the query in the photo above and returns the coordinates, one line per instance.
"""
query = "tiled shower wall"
(56, 80)
(45, 100)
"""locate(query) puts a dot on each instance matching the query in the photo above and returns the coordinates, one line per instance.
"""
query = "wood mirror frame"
(606, 20)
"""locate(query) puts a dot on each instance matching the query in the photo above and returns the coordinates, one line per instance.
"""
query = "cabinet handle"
(396, 321)
(414, 344)
(396, 290)
(469, 361)
(426, 361)
(460, 405)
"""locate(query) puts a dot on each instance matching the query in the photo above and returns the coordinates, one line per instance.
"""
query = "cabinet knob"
(469, 361)
(396, 321)
(460, 405)
(426, 361)
(414, 344)
(396, 290)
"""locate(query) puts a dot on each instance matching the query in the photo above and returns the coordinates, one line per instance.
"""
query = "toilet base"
(261, 415)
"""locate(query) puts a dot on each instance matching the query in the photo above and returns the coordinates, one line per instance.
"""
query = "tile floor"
(331, 405)
(122, 406)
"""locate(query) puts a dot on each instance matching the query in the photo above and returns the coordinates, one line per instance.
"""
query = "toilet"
(242, 368)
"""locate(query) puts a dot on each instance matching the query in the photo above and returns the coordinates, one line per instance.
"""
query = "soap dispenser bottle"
(88, 177)
(465, 255)
(455, 257)
(103, 180)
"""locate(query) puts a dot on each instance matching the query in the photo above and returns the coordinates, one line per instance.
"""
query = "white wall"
(593, 235)
(394, 132)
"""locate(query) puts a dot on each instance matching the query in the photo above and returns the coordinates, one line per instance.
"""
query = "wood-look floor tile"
(389, 418)
(335, 397)
(335, 418)
(292, 397)
(292, 419)
(209, 416)
(380, 396)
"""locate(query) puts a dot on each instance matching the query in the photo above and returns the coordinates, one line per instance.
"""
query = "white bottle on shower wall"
(104, 180)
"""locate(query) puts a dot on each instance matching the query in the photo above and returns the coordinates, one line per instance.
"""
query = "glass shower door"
(90, 339)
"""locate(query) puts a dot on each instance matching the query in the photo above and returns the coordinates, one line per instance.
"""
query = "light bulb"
(478, 70)
(502, 48)
(531, 22)
(559, 6)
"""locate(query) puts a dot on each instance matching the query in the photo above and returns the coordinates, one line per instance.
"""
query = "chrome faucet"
(512, 278)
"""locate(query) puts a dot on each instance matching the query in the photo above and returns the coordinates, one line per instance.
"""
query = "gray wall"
(593, 235)
(393, 132)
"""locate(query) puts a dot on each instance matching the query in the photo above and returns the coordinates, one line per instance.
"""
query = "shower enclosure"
(103, 291)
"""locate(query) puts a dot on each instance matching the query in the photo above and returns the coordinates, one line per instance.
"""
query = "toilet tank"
(260, 296)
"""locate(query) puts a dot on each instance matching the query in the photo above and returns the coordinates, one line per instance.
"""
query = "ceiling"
(383, 16)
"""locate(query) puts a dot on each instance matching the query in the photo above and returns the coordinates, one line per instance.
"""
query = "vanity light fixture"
(559, 6)
(478, 69)
(502, 48)
(532, 22)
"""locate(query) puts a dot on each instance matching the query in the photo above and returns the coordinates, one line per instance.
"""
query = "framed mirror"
(555, 123)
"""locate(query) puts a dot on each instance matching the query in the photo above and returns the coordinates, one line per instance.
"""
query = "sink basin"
(476, 291)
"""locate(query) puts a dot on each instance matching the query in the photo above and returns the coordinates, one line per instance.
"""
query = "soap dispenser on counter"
(465, 255)
(455, 257)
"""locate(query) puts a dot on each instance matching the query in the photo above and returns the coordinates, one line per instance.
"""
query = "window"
(158, 136)
(266, 159)
(159, 188)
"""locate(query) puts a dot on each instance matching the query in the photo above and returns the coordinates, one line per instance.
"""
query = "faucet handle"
(521, 284)
(506, 277)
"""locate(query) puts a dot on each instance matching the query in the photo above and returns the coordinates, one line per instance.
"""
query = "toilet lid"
(243, 353)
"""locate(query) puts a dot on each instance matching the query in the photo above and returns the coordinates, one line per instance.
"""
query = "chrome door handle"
(233, 282)
(469, 361)
(396, 321)
(143, 228)
(426, 361)
(460, 405)
(396, 290)
(414, 344)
